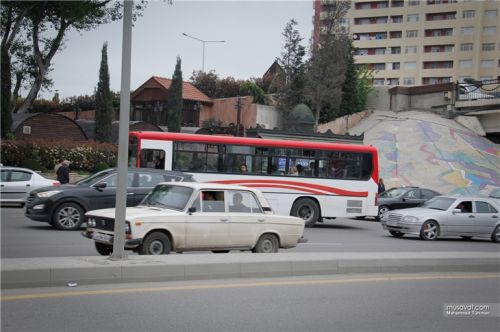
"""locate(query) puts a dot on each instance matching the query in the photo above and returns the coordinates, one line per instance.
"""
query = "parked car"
(17, 182)
(64, 207)
(472, 92)
(403, 197)
(447, 216)
(495, 193)
(197, 216)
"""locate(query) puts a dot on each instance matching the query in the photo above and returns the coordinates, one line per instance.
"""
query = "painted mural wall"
(423, 149)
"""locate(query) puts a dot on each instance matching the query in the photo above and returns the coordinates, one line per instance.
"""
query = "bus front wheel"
(307, 209)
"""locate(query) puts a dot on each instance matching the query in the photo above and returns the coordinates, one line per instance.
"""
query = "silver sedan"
(447, 216)
(17, 182)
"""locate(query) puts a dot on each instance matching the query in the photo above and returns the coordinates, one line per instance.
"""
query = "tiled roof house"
(149, 102)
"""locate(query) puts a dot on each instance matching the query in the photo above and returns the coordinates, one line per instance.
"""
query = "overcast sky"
(252, 31)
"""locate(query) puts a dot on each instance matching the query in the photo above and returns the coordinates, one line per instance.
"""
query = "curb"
(59, 271)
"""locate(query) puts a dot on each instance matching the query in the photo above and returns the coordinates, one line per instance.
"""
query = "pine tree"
(104, 102)
(350, 101)
(175, 104)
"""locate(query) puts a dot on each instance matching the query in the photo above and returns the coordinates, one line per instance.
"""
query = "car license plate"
(102, 237)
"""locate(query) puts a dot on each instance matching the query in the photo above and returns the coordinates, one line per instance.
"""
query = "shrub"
(32, 164)
(83, 156)
(100, 166)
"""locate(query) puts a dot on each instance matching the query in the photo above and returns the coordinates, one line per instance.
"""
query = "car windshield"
(439, 203)
(495, 193)
(393, 192)
(169, 197)
(94, 177)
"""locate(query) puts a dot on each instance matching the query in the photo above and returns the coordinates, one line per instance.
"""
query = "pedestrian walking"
(63, 172)
(381, 186)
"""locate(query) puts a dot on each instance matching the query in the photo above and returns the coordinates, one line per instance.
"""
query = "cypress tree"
(350, 102)
(175, 100)
(104, 102)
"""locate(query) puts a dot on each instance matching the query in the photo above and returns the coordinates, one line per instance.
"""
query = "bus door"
(154, 154)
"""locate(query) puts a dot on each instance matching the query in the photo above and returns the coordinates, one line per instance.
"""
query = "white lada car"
(197, 216)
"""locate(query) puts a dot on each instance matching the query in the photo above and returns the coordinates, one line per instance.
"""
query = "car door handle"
(495, 217)
(261, 220)
(27, 185)
(130, 194)
(471, 216)
(223, 219)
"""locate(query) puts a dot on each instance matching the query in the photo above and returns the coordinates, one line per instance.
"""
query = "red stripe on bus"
(269, 185)
(304, 186)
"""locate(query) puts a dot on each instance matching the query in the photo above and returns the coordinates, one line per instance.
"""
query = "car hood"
(135, 212)
(61, 187)
(417, 212)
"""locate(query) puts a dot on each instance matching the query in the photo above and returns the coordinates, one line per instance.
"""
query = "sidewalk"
(59, 271)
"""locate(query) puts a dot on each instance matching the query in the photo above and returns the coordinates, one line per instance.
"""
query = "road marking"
(240, 285)
(321, 244)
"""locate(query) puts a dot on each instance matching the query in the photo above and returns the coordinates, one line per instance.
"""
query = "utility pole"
(237, 106)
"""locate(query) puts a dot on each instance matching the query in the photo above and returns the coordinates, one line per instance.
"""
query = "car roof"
(468, 197)
(17, 168)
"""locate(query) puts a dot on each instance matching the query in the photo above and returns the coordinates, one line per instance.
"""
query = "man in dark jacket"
(63, 172)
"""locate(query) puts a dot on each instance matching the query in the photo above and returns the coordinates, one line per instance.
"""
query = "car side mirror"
(100, 186)
(456, 211)
(192, 209)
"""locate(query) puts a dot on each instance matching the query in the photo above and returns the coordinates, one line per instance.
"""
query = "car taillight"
(56, 184)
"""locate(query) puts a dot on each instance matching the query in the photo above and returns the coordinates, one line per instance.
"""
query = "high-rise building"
(415, 42)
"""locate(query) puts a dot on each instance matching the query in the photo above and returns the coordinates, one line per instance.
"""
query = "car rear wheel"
(396, 234)
(104, 249)
(307, 209)
(67, 216)
(155, 243)
(268, 243)
(429, 230)
(381, 210)
(495, 236)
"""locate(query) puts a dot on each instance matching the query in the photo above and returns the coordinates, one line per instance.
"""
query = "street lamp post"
(203, 42)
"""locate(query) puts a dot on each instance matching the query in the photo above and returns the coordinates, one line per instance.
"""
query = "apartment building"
(415, 42)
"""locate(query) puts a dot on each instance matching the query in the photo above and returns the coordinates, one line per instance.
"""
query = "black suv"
(64, 206)
(402, 198)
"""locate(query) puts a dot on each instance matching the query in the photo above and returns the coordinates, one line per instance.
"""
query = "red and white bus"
(308, 179)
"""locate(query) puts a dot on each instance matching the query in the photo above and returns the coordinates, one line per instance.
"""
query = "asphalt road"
(340, 303)
(23, 237)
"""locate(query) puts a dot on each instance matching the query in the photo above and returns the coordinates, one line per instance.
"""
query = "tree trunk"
(5, 91)
(35, 88)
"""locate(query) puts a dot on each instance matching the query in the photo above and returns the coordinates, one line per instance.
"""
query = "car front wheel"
(495, 237)
(268, 243)
(68, 216)
(429, 230)
(382, 210)
(155, 243)
(103, 249)
(396, 233)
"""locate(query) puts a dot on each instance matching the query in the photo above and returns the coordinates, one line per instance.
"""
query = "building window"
(439, 32)
(380, 51)
(465, 63)
(393, 81)
(487, 64)
(396, 50)
(410, 65)
(490, 13)
(410, 49)
(412, 18)
(397, 19)
(485, 78)
(409, 80)
(466, 47)
(395, 34)
(378, 81)
(378, 66)
(414, 3)
(467, 31)
(411, 33)
(468, 13)
(490, 31)
(488, 47)
(393, 66)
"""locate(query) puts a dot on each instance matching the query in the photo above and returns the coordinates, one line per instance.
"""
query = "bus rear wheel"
(307, 209)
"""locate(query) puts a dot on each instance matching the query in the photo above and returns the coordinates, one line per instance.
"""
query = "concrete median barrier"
(61, 271)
